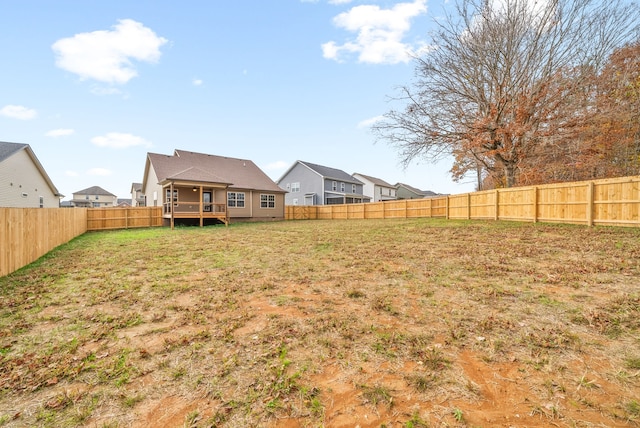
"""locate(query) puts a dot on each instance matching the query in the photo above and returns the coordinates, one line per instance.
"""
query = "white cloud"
(70, 173)
(59, 133)
(117, 140)
(379, 33)
(102, 172)
(339, 1)
(18, 112)
(197, 82)
(278, 165)
(106, 55)
(368, 122)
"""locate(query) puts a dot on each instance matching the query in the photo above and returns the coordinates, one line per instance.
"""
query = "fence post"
(468, 206)
(535, 204)
(590, 204)
(446, 208)
(497, 207)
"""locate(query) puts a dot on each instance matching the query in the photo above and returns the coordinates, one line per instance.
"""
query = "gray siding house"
(23, 181)
(312, 184)
(404, 191)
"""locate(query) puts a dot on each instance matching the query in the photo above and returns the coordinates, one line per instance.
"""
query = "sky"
(94, 85)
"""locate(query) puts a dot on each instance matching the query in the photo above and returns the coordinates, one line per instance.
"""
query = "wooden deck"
(193, 210)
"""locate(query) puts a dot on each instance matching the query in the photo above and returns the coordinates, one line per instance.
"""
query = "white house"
(23, 181)
(94, 197)
(375, 188)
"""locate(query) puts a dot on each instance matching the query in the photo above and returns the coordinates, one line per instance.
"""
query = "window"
(235, 199)
(267, 201)
(86, 197)
(353, 188)
(342, 187)
(41, 201)
(295, 187)
(97, 197)
(175, 196)
(295, 201)
(334, 185)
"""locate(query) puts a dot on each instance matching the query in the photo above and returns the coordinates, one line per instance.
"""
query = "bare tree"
(504, 77)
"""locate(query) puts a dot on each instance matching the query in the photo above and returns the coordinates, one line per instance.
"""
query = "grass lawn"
(373, 323)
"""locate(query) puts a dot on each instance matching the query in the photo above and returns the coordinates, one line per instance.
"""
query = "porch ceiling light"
(195, 189)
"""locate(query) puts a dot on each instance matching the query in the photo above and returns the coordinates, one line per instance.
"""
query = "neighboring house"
(23, 181)
(137, 198)
(311, 184)
(404, 191)
(378, 190)
(124, 203)
(201, 188)
(94, 197)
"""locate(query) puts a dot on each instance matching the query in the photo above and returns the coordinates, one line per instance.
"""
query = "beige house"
(23, 181)
(197, 188)
(94, 197)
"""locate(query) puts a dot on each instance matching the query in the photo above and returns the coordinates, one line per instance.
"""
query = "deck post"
(171, 207)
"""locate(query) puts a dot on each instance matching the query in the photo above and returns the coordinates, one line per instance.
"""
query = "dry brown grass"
(395, 323)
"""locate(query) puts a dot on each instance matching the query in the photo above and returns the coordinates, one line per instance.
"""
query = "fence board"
(613, 201)
(123, 218)
(29, 233)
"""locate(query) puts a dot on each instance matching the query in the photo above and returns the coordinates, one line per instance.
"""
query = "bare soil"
(407, 323)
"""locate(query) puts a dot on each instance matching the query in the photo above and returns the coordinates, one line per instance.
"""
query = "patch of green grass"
(377, 394)
(633, 363)
(416, 422)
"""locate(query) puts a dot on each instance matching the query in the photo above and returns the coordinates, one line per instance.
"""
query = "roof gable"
(9, 149)
(94, 190)
(374, 180)
(201, 167)
(331, 173)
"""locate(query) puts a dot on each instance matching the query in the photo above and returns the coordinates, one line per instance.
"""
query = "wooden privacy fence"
(613, 202)
(123, 218)
(27, 234)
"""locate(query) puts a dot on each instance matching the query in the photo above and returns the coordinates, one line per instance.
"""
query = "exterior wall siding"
(252, 209)
(310, 183)
(153, 189)
(22, 185)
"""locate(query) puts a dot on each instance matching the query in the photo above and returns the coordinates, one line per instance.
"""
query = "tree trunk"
(510, 174)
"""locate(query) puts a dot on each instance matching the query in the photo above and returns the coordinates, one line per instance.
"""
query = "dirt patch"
(408, 323)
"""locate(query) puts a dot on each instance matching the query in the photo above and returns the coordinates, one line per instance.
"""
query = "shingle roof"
(94, 190)
(201, 167)
(8, 149)
(333, 173)
(374, 180)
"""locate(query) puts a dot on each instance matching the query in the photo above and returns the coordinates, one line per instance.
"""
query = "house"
(93, 197)
(311, 184)
(376, 189)
(137, 198)
(404, 191)
(198, 188)
(23, 181)
(124, 203)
